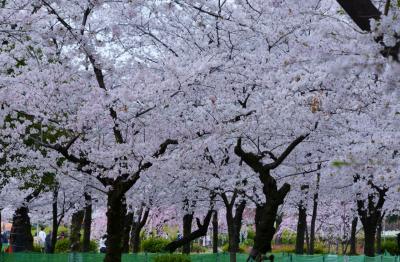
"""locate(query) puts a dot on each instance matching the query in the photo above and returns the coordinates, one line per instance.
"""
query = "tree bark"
(353, 239)
(54, 220)
(1, 239)
(314, 217)
(215, 232)
(266, 213)
(187, 230)
(116, 209)
(379, 238)
(369, 245)
(21, 238)
(87, 223)
(301, 229)
(76, 225)
(137, 226)
(126, 232)
(201, 231)
(234, 225)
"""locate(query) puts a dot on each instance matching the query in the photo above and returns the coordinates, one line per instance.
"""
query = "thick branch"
(287, 152)
(201, 231)
(164, 146)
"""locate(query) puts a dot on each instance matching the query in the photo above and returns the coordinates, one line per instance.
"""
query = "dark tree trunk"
(215, 232)
(21, 237)
(127, 230)
(87, 223)
(137, 226)
(369, 212)
(265, 230)
(379, 238)
(353, 239)
(369, 245)
(1, 240)
(234, 223)
(76, 225)
(187, 230)
(267, 212)
(301, 229)
(201, 231)
(314, 217)
(54, 221)
(116, 209)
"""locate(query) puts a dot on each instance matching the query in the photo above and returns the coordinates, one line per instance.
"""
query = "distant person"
(42, 238)
(61, 236)
(47, 243)
(102, 244)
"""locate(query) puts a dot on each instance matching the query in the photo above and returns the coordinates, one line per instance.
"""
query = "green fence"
(221, 257)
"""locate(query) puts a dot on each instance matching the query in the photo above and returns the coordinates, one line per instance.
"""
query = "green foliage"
(248, 242)
(242, 248)
(283, 249)
(390, 245)
(154, 245)
(251, 233)
(196, 248)
(36, 248)
(340, 163)
(64, 245)
(172, 258)
(288, 237)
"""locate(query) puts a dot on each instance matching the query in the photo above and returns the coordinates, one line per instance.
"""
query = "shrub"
(288, 237)
(154, 245)
(196, 248)
(251, 234)
(172, 258)
(64, 245)
(242, 248)
(390, 246)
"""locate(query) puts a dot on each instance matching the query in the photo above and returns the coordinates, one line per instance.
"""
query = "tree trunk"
(126, 232)
(265, 230)
(87, 223)
(187, 230)
(137, 226)
(215, 232)
(314, 217)
(21, 237)
(353, 239)
(1, 239)
(75, 234)
(301, 229)
(201, 231)
(233, 236)
(379, 238)
(369, 245)
(116, 209)
(54, 221)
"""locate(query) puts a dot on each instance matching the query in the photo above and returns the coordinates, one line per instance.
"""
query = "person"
(47, 243)
(102, 244)
(62, 236)
(8, 248)
(42, 238)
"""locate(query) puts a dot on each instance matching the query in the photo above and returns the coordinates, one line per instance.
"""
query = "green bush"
(64, 245)
(390, 246)
(154, 245)
(196, 248)
(248, 242)
(251, 234)
(172, 258)
(288, 237)
(242, 248)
